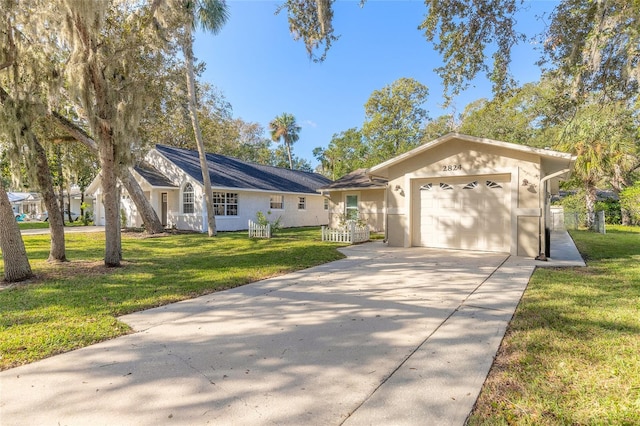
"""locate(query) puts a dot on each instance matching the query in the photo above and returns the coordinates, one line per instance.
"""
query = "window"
(471, 185)
(426, 187)
(326, 204)
(445, 186)
(491, 184)
(187, 199)
(225, 204)
(277, 202)
(351, 207)
(302, 203)
(232, 204)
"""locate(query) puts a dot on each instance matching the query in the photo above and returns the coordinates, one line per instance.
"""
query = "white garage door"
(466, 213)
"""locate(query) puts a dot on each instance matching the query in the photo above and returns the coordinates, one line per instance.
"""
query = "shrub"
(630, 201)
(611, 208)
(575, 209)
(263, 221)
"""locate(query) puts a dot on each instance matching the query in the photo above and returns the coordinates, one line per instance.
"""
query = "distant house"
(172, 181)
(457, 192)
(28, 203)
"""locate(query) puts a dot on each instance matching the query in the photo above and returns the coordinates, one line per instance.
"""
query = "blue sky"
(263, 72)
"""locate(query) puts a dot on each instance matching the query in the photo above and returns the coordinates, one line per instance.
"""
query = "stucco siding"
(528, 236)
(457, 161)
(371, 204)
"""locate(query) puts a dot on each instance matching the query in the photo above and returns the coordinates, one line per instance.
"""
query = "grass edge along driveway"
(75, 304)
(571, 354)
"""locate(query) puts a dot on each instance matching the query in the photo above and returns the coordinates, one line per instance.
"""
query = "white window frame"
(275, 201)
(225, 203)
(302, 203)
(347, 208)
(188, 190)
(326, 204)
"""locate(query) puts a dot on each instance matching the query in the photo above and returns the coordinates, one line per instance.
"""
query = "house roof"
(559, 160)
(153, 176)
(16, 197)
(357, 179)
(229, 172)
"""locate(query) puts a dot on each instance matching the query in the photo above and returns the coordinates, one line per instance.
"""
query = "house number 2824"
(451, 167)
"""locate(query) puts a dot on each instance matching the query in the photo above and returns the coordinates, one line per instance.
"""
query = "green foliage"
(571, 354)
(346, 152)
(440, 126)
(344, 221)
(464, 32)
(630, 200)
(311, 21)
(75, 304)
(284, 128)
(395, 117)
(575, 209)
(611, 208)
(123, 218)
(263, 220)
(87, 216)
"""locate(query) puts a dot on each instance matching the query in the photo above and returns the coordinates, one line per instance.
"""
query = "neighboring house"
(28, 203)
(458, 192)
(172, 181)
(74, 199)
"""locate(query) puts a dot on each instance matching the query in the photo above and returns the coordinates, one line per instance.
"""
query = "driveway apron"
(385, 336)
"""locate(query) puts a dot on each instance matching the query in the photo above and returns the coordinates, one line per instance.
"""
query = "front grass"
(33, 225)
(77, 303)
(571, 354)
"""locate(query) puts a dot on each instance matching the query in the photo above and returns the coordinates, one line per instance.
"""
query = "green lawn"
(75, 304)
(33, 225)
(571, 355)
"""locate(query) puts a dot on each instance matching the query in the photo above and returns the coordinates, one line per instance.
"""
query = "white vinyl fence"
(349, 234)
(259, 231)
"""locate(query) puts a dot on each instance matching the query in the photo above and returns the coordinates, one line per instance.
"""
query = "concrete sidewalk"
(385, 336)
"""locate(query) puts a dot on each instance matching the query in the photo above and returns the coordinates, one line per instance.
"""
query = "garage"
(469, 213)
(469, 193)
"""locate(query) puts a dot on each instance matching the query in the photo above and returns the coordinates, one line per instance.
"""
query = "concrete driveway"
(385, 336)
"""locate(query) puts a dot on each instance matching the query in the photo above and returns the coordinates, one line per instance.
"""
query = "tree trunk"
(590, 204)
(187, 49)
(112, 251)
(57, 252)
(288, 145)
(44, 181)
(152, 223)
(14, 255)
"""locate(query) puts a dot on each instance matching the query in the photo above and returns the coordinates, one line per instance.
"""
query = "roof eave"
(381, 169)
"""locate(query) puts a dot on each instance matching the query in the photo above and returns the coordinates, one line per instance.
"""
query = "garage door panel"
(446, 203)
(471, 215)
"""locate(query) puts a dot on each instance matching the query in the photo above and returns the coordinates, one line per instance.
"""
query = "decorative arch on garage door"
(469, 212)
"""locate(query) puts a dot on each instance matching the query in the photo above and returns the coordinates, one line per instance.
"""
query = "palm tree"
(210, 15)
(284, 128)
(599, 138)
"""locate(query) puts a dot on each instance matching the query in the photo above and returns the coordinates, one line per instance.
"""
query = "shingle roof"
(229, 172)
(153, 176)
(355, 179)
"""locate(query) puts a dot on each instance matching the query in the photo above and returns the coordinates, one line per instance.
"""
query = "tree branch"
(75, 131)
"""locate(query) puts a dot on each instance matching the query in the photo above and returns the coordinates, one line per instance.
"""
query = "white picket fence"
(259, 231)
(350, 234)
